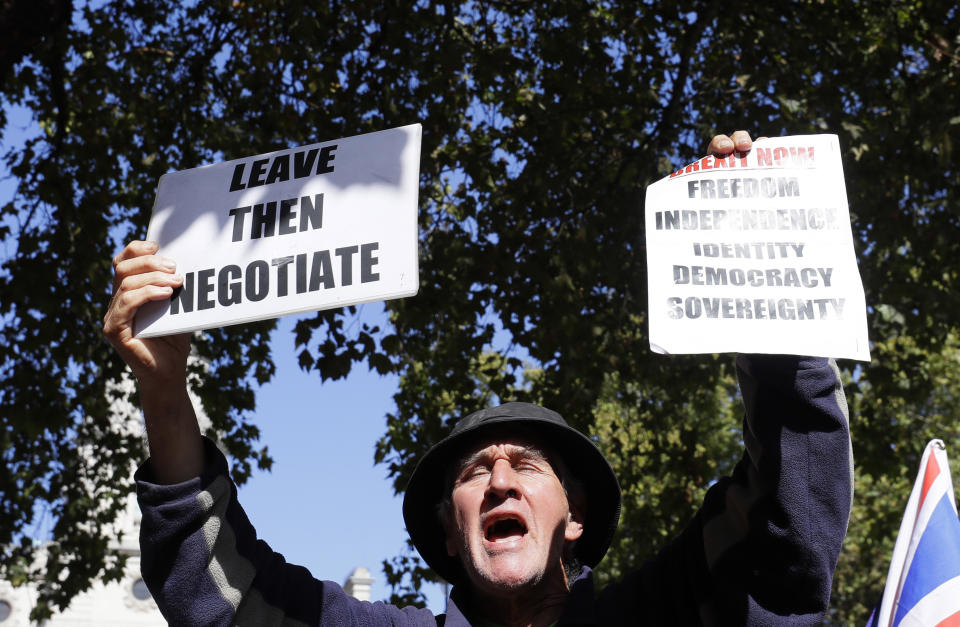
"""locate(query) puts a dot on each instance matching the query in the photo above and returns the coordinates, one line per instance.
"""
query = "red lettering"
(729, 162)
(805, 156)
(763, 157)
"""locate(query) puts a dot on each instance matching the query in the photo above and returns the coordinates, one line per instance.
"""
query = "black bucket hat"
(581, 456)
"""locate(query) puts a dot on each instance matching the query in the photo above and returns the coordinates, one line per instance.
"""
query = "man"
(514, 507)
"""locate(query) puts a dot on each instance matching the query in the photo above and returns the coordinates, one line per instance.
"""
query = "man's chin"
(506, 575)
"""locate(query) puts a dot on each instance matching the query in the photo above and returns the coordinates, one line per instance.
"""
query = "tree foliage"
(543, 123)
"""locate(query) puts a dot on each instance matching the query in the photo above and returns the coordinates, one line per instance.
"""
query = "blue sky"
(325, 505)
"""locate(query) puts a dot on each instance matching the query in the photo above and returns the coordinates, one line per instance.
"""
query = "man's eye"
(471, 473)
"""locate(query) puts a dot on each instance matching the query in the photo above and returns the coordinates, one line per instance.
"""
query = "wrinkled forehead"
(514, 442)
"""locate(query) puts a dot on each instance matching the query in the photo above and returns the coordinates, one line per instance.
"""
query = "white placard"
(754, 254)
(315, 227)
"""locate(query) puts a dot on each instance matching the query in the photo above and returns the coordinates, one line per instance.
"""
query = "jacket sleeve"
(763, 548)
(204, 565)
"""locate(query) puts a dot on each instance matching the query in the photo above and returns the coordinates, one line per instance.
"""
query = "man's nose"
(503, 481)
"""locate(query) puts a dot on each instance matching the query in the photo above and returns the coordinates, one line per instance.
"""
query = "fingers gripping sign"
(722, 145)
(142, 276)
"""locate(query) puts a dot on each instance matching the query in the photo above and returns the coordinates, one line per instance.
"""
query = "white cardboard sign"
(755, 254)
(315, 227)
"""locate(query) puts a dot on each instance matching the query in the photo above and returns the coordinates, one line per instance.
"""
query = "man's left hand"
(723, 145)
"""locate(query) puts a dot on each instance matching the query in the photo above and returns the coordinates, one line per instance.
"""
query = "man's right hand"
(141, 276)
(159, 364)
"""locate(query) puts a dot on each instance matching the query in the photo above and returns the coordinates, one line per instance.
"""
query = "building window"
(140, 591)
(5, 610)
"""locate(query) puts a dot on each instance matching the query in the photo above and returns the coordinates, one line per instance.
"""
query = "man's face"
(510, 517)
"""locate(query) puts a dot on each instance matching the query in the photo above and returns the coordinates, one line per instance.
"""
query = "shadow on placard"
(361, 166)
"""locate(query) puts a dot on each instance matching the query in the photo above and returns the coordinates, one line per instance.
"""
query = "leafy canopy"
(543, 123)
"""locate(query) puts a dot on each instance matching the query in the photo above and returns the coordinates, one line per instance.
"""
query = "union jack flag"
(923, 583)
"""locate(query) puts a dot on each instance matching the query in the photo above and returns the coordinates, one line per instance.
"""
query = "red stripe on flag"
(933, 469)
(950, 621)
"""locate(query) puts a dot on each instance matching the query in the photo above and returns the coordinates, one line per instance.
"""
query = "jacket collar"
(577, 611)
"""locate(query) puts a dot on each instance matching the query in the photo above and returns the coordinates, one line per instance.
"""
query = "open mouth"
(504, 529)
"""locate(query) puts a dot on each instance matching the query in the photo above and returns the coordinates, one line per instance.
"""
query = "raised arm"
(763, 547)
(159, 364)
(200, 555)
(772, 532)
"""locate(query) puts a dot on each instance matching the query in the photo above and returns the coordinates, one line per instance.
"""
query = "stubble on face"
(510, 519)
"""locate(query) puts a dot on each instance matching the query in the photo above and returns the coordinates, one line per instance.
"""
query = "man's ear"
(451, 546)
(574, 527)
(449, 537)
